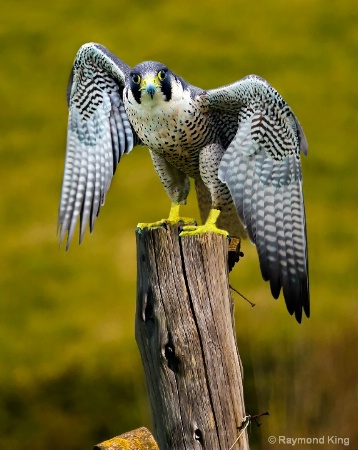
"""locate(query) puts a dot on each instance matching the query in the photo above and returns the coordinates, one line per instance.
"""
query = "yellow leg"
(209, 226)
(173, 219)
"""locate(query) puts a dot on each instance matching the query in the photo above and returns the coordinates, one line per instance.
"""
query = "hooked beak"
(149, 85)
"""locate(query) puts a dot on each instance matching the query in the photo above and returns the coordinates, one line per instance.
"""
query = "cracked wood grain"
(186, 336)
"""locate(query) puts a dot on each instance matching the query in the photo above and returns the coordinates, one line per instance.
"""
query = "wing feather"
(98, 134)
(262, 170)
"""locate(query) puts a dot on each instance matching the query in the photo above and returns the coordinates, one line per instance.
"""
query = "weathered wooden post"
(186, 335)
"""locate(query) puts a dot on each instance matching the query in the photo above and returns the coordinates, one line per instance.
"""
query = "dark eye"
(135, 78)
(162, 74)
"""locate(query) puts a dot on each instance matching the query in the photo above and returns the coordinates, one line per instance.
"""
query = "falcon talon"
(187, 222)
(240, 142)
(208, 227)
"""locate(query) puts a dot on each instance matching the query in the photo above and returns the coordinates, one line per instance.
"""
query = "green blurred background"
(70, 371)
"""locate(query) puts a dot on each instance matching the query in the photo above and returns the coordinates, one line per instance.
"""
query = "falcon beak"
(150, 85)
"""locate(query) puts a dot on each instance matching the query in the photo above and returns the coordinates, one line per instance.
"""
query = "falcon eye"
(135, 78)
(162, 74)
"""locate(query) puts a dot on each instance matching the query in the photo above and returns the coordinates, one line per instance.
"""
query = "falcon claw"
(201, 229)
(165, 223)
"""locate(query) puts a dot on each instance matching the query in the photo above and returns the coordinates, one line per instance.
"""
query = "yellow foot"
(168, 221)
(173, 219)
(190, 230)
(208, 227)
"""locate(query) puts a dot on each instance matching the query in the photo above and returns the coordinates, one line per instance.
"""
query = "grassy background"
(70, 374)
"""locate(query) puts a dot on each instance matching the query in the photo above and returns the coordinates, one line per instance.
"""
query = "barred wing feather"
(98, 134)
(262, 170)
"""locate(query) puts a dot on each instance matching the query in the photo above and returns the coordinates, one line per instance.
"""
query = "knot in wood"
(170, 356)
(198, 436)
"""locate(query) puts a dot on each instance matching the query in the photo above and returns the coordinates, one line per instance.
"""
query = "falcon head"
(149, 80)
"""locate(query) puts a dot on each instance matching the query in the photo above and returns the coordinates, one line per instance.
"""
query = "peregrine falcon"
(240, 143)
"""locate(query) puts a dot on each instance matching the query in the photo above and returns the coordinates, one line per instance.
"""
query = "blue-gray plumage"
(241, 144)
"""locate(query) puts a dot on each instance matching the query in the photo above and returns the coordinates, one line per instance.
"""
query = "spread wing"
(98, 134)
(262, 170)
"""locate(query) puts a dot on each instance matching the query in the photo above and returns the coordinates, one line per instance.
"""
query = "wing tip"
(298, 300)
(275, 286)
(295, 292)
(62, 231)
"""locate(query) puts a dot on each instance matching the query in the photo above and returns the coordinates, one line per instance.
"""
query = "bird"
(240, 143)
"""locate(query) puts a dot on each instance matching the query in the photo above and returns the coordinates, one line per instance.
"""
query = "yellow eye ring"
(162, 75)
(136, 78)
